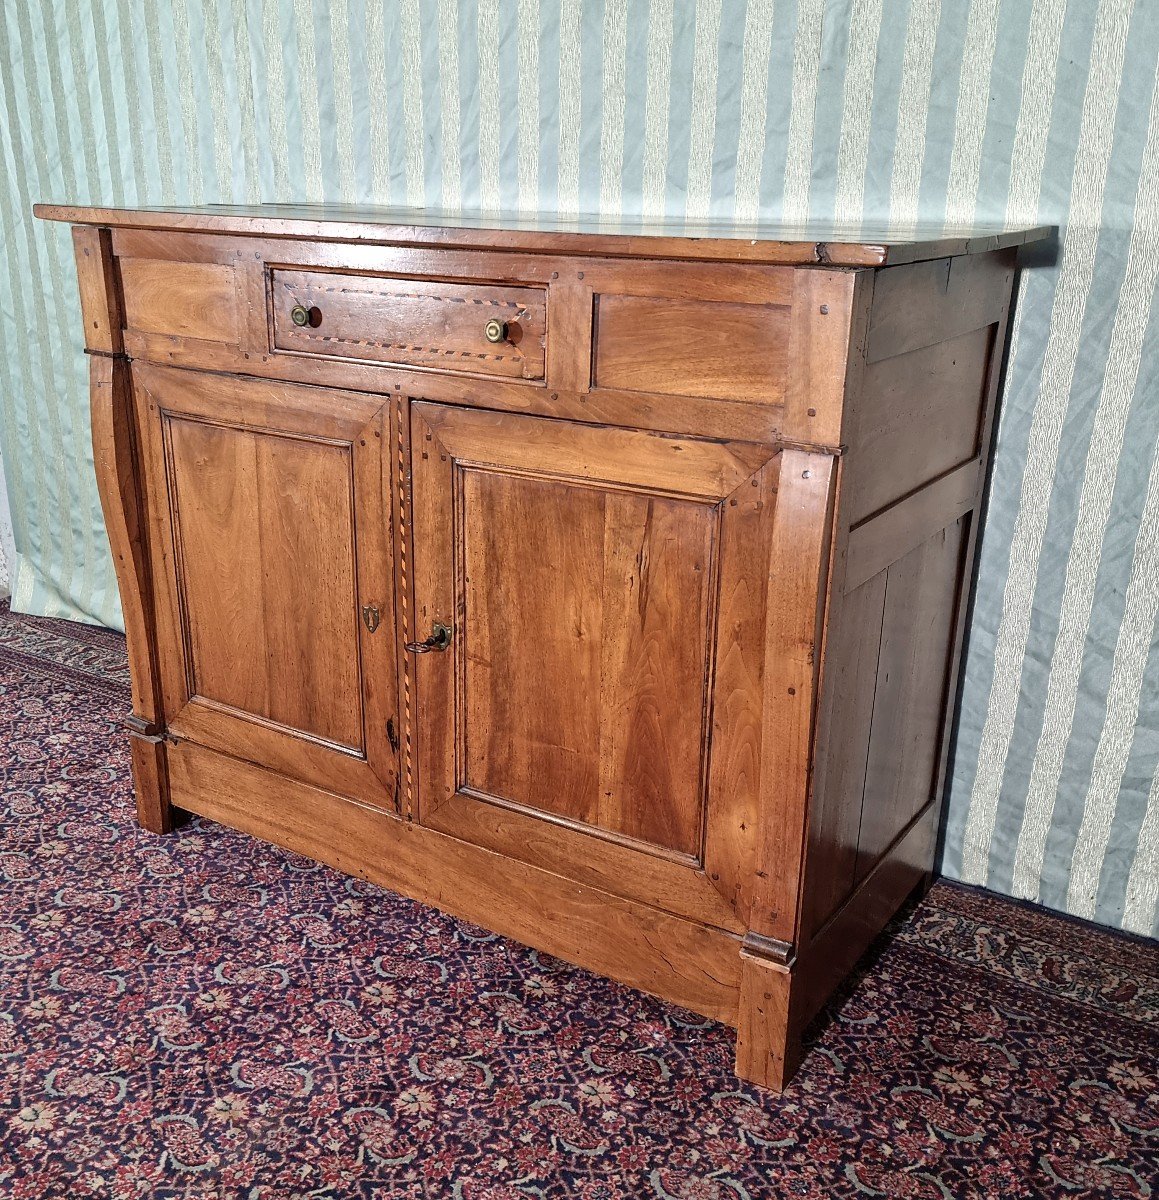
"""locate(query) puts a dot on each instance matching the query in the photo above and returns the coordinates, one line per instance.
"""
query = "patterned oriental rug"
(206, 1016)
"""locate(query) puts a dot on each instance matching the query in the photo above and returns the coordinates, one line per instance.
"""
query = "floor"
(205, 1016)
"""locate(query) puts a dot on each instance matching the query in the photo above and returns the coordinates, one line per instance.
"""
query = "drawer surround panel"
(410, 322)
(181, 299)
(579, 380)
(714, 350)
(784, 388)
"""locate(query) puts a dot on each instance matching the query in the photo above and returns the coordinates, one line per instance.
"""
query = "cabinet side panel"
(855, 630)
(910, 693)
(932, 347)
(919, 416)
(918, 428)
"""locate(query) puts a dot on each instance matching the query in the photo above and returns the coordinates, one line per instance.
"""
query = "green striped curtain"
(987, 110)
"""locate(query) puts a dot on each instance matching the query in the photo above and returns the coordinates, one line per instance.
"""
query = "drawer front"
(743, 353)
(478, 329)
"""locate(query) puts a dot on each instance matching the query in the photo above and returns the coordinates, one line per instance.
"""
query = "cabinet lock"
(440, 639)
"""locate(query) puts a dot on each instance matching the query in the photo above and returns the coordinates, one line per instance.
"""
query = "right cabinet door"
(597, 708)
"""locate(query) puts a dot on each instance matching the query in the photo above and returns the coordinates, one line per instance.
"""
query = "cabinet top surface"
(629, 237)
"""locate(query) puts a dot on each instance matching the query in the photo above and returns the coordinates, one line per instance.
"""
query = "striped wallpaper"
(7, 550)
(1024, 110)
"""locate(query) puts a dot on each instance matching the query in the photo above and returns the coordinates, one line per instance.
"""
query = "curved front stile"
(114, 456)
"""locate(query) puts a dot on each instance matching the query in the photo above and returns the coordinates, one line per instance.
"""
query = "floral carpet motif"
(202, 1015)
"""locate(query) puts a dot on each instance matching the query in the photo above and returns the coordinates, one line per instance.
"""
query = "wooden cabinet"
(606, 591)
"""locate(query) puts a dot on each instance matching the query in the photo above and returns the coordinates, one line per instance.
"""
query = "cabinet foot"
(768, 1040)
(151, 783)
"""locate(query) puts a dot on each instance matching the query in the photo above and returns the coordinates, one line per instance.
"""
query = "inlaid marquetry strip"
(402, 568)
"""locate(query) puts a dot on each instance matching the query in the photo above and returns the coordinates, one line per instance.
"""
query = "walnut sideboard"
(604, 589)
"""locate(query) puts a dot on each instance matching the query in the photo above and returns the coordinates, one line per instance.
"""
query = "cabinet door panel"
(271, 533)
(606, 593)
(569, 720)
(256, 646)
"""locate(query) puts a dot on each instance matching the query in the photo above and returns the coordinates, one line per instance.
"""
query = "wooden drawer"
(410, 322)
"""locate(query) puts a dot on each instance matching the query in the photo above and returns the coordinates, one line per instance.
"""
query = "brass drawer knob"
(495, 331)
(302, 316)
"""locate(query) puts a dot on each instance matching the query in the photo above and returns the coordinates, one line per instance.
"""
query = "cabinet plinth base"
(768, 1040)
(151, 782)
(693, 965)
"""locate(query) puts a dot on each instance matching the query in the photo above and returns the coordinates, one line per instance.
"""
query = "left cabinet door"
(270, 529)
